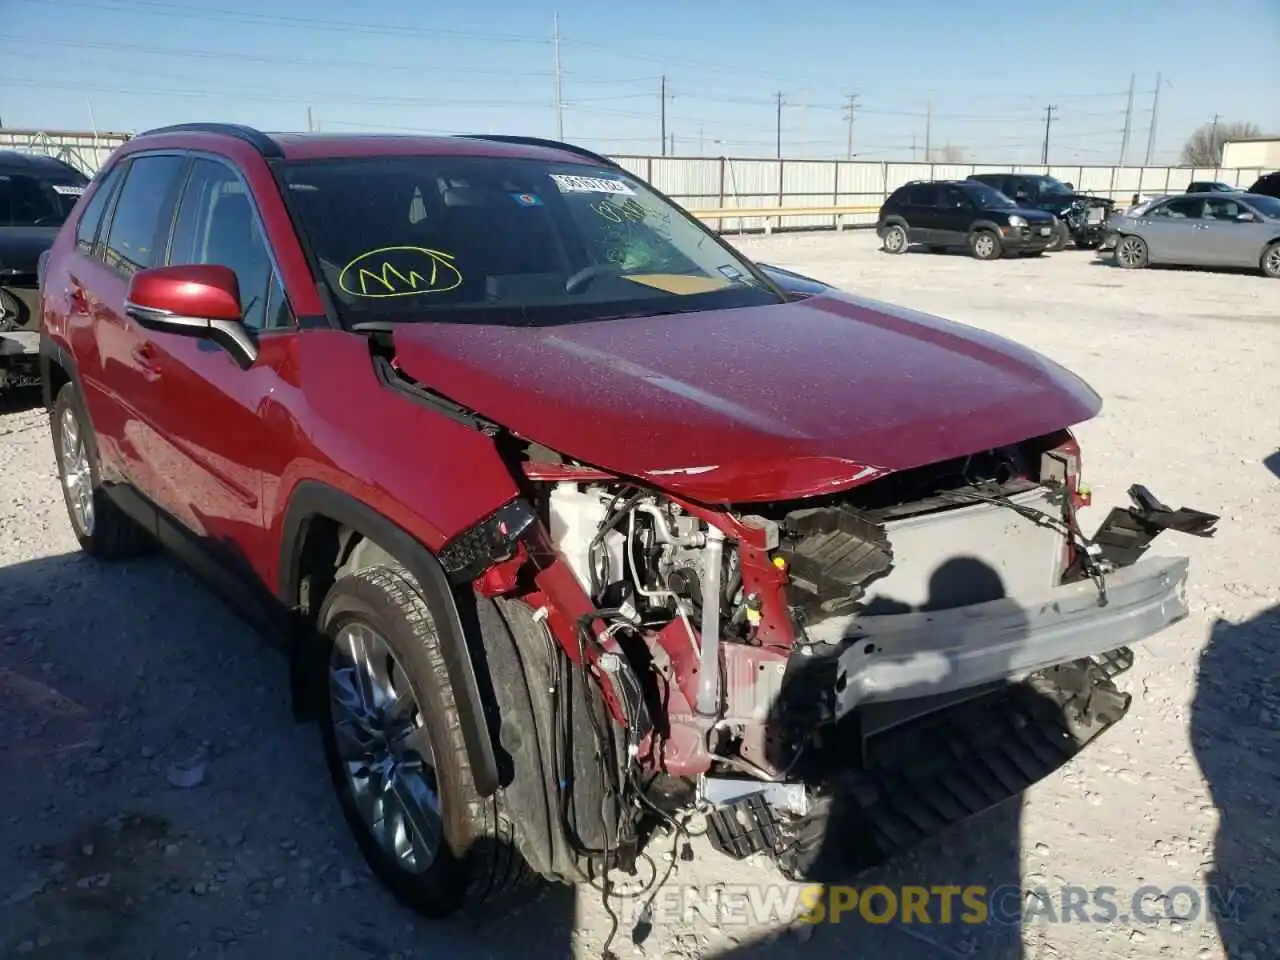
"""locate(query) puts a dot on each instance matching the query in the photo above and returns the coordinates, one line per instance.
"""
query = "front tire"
(1060, 237)
(102, 528)
(393, 743)
(1131, 252)
(895, 239)
(1270, 262)
(984, 245)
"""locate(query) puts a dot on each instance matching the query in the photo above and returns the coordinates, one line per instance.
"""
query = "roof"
(1269, 138)
(315, 146)
(13, 161)
(325, 146)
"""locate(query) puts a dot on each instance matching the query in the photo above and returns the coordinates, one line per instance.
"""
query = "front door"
(1174, 232)
(217, 440)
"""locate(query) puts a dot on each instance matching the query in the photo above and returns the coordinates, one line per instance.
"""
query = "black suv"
(36, 195)
(953, 213)
(1081, 216)
(1268, 185)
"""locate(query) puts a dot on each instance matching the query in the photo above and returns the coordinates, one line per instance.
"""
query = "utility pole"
(778, 95)
(928, 130)
(310, 127)
(1155, 116)
(913, 148)
(702, 141)
(663, 114)
(555, 67)
(1048, 119)
(850, 107)
(1128, 122)
(1213, 142)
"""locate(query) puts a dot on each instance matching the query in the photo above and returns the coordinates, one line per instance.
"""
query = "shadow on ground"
(1235, 730)
(113, 677)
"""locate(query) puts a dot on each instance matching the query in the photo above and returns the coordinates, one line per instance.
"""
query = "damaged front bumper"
(906, 656)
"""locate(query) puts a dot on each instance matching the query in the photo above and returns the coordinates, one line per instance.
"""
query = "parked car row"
(1211, 229)
(1010, 214)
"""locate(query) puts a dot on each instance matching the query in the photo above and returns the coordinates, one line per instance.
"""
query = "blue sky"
(984, 70)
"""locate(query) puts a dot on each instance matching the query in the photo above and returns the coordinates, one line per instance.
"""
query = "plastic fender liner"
(312, 499)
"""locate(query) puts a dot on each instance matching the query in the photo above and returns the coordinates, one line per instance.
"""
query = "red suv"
(571, 519)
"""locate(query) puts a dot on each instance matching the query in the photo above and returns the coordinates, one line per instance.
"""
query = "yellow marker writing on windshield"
(399, 272)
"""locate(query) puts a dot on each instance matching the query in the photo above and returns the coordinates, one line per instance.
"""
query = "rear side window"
(141, 221)
(923, 195)
(91, 219)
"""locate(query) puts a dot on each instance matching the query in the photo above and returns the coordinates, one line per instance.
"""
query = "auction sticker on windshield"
(67, 190)
(568, 183)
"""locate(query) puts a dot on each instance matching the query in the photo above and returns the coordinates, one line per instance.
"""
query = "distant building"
(1249, 152)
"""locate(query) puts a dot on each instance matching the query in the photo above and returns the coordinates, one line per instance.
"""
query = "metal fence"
(710, 183)
(84, 151)
(715, 183)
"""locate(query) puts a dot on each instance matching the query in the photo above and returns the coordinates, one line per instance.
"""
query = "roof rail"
(541, 142)
(255, 138)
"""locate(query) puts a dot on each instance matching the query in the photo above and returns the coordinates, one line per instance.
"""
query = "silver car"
(1199, 229)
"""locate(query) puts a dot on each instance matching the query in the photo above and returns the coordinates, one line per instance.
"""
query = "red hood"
(760, 403)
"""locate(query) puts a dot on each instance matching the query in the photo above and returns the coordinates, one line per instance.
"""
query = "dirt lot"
(118, 682)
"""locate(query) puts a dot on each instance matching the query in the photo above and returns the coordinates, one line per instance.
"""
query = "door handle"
(144, 355)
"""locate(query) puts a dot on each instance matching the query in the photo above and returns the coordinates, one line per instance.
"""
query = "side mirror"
(1245, 217)
(1069, 185)
(196, 300)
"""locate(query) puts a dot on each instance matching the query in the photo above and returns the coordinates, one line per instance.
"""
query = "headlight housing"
(1017, 221)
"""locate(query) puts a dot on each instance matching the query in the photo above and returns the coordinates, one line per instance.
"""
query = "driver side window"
(217, 224)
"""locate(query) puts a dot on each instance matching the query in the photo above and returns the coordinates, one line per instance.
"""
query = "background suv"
(1081, 216)
(954, 213)
(36, 195)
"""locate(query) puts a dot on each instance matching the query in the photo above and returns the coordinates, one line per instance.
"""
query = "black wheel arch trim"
(312, 499)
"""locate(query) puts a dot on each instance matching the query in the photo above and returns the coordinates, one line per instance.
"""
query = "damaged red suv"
(571, 519)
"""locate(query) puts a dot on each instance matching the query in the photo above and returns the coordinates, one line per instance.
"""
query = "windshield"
(1267, 206)
(497, 240)
(1052, 187)
(989, 198)
(27, 201)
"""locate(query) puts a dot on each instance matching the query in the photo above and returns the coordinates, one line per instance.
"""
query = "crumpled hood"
(759, 403)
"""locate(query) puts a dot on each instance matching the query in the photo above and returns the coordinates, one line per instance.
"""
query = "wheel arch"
(324, 530)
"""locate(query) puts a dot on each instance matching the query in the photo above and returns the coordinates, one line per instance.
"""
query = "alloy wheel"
(1129, 252)
(984, 246)
(77, 479)
(895, 240)
(384, 748)
(1271, 263)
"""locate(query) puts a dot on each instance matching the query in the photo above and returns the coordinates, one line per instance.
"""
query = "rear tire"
(1270, 262)
(101, 527)
(393, 743)
(895, 239)
(984, 245)
(1131, 252)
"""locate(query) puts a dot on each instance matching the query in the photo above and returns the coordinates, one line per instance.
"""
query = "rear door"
(1231, 242)
(110, 347)
(923, 212)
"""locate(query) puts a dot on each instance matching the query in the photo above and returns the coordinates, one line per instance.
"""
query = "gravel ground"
(156, 800)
